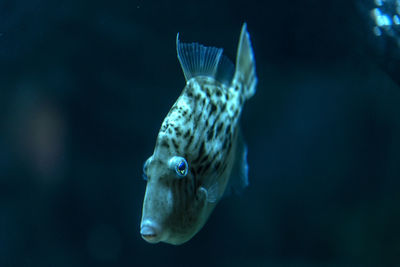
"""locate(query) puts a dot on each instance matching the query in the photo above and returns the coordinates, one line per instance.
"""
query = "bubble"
(386, 17)
(376, 12)
(396, 19)
(383, 20)
(377, 31)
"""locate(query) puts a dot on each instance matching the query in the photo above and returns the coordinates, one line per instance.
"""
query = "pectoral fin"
(212, 193)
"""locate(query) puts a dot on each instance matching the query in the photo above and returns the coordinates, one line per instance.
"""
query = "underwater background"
(85, 85)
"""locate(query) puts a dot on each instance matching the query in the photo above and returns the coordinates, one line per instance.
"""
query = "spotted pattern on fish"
(202, 101)
(198, 144)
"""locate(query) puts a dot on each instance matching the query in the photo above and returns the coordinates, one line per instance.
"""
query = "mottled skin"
(202, 127)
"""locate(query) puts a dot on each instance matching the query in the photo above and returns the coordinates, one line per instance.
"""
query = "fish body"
(199, 154)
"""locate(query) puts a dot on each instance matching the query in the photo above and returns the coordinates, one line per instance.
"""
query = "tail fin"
(245, 73)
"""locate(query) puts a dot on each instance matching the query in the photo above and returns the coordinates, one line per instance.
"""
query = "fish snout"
(151, 231)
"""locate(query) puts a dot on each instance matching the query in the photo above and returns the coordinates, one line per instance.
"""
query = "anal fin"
(239, 176)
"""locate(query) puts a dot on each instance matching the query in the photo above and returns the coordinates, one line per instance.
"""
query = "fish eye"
(180, 165)
(146, 163)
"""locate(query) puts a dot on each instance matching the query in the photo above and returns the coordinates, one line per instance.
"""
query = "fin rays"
(245, 72)
(199, 60)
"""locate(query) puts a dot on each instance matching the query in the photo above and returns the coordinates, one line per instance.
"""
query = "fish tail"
(245, 72)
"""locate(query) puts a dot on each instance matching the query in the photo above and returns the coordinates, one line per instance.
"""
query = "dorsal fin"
(225, 71)
(199, 60)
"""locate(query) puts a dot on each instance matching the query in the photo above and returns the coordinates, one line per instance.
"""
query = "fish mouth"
(150, 232)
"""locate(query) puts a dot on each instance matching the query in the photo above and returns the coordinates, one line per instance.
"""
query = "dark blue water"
(85, 85)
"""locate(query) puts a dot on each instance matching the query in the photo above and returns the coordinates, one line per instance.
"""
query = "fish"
(199, 155)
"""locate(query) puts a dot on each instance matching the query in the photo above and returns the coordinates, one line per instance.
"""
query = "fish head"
(172, 208)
